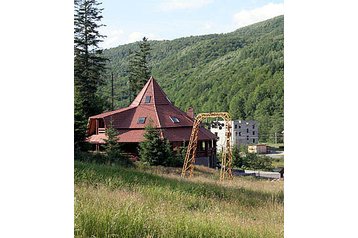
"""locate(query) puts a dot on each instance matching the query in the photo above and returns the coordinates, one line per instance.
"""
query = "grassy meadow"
(112, 201)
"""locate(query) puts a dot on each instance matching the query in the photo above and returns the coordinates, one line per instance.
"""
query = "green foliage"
(244, 160)
(155, 150)
(89, 64)
(113, 148)
(238, 159)
(91, 157)
(126, 202)
(240, 72)
(278, 162)
(138, 69)
(80, 122)
(177, 159)
(257, 162)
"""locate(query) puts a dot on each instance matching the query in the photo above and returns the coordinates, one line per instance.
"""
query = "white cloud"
(183, 4)
(116, 37)
(134, 36)
(247, 17)
(113, 39)
(138, 36)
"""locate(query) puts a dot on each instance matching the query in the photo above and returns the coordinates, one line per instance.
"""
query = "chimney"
(190, 112)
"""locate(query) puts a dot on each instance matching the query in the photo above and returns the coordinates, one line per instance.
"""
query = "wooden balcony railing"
(101, 130)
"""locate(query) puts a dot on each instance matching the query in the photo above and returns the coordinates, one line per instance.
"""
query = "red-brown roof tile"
(157, 112)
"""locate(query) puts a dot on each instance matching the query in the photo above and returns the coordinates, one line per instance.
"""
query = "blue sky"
(128, 21)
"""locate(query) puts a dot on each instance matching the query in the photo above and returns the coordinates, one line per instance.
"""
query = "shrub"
(114, 153)
(258, 162)
(155, 150)
(250, 160)
(238, 159)
(91, 157)
(177, 159)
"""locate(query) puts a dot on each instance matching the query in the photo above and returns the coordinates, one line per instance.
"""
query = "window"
(253, 140)
(216, 134)
(247, 130)
(174, 119)
(253, 126)
(247, 137)
(141, 120)
(239, 133)
(147, 99)
(203, 146)
(235, 126)
(239, 127)
(253, 132)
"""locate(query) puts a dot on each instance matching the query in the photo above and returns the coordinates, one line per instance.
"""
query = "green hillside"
(241, 72)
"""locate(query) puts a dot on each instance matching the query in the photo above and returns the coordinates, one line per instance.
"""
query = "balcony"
(101, 131)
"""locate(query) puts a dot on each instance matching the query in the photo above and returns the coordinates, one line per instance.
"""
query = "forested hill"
(240, 72)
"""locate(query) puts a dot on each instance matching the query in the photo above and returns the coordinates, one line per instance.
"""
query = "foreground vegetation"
(112, 201)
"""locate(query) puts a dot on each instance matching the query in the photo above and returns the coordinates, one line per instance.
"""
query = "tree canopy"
(89, 64)
(241, 72)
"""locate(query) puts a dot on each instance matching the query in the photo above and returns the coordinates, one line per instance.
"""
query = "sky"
(129, 21)
(37, 79)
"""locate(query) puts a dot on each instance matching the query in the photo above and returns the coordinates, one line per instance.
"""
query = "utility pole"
(112, 93)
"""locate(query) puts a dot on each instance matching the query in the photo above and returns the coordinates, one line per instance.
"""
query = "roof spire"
(152, 89)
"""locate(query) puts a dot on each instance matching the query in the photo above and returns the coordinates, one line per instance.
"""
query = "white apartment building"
(242, 133)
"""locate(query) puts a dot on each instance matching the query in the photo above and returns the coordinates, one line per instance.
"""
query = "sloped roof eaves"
(96, 139)
(208, 133)
(124, 136)
(183, 134)
(128, 136)
(111, 113)
(140, 95)
(137, 135)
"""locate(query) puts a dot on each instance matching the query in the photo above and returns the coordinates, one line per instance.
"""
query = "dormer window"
(141, 120)
(147, 99)
(174, 119)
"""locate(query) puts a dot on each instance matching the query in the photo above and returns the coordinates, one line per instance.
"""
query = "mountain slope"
(240, 72)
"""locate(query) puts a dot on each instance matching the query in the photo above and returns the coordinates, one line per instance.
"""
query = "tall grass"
(126, 202)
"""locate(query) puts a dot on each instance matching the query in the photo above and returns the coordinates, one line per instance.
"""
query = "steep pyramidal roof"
(152, 89)
(151, 106)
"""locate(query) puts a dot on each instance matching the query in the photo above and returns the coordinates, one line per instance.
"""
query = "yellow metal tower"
(226, 160)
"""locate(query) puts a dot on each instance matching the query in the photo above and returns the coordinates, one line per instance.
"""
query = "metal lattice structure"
(226, 160)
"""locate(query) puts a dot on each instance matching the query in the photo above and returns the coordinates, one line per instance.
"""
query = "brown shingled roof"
(158, 111)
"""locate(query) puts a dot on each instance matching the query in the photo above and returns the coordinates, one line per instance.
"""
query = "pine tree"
(239, 161)
(144, 55)
(133, 73)
(154, 150)
(89, 64)
(138, 68)
(80, 121)
(112, 147)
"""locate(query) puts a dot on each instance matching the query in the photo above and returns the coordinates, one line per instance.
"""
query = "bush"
(101, 158)
(250, 160)
(114, 153)
(258, 162)
(91, 157)
(238, 159)
(155, 150)
(177, 159)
